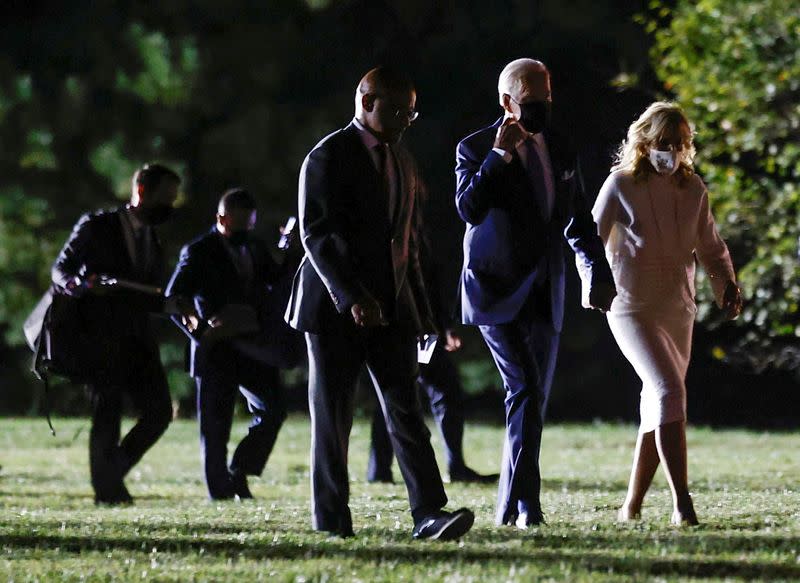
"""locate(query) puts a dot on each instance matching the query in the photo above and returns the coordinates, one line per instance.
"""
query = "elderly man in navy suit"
(519, 191)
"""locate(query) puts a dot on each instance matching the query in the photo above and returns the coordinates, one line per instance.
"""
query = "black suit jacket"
(352, 249)
(116, 323)
(206, 274)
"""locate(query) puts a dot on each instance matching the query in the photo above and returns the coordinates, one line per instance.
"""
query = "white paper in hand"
(425, 348)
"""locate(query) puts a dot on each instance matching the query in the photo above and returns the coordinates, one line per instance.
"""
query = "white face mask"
(665, 162)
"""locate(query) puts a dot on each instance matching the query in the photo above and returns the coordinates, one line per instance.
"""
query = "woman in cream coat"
(654, 218)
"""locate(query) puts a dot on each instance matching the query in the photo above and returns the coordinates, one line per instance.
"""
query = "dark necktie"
(535, 171)
(244, 264)
(388, 171)
(144, 239)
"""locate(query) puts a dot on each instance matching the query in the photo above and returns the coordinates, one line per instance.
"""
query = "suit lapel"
(366, 173)
(123, 243)
(400, 220)
(157, 269)
(403, 195)
(559, 167)
(222, 258)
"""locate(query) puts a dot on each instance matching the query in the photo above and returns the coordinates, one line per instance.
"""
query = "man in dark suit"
(121, 243)
(441, 382)
(518, 189)
(359, 297)
(226, 274)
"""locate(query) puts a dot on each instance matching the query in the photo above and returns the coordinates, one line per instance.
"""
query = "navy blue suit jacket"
(509, 244)
(206, 274)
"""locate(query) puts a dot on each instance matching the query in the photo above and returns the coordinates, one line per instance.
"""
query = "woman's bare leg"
(671, 443)
(645, 463)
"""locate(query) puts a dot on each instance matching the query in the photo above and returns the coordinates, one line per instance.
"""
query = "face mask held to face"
(156, 214)
(535, 116)
(665, 161)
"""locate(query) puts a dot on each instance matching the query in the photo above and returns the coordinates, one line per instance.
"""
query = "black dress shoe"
(240, 487)
(468, 475)
(526, 520)
(381, 478)
(118, 496)
(346, 533)
(220, 492)
(444, 525)
(337, 528)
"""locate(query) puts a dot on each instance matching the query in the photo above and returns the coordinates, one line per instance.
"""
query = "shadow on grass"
(704, 539)
(594, 553)
(7, 494)
(582, 486)
(87, 496)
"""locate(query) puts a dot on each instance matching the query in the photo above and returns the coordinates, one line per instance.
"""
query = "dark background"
(237, 93)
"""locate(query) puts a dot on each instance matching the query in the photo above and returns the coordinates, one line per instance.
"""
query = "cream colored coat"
(652, 230)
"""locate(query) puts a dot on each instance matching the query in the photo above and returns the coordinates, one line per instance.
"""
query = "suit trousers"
(109, 459)
(524, 351)
(230, 372)
(335, 360)
(440, 381)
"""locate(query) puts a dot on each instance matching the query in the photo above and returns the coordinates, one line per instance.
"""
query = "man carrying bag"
(97, 328)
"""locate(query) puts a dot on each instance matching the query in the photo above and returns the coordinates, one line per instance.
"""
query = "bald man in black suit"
(359, 297)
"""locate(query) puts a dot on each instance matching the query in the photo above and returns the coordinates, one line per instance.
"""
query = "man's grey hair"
(512, 77)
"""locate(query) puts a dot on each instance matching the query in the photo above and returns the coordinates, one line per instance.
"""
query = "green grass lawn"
(746, 487)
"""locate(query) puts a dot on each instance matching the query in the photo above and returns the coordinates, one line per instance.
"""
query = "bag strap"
(46, 380)
(39, 367)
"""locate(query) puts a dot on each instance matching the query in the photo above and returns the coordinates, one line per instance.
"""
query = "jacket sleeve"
(416, 254)
(606, 208)
(442, 312)
(474, 181)
(274, 271)
(582, 235)
(72, 258)
(321, 232)
(183, 289)
(184, 278)
(712, 251)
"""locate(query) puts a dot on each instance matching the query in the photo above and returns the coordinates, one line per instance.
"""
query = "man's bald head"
(236, 214)
(383, 80)
(385, 100)
(524, 94)
(524, 80)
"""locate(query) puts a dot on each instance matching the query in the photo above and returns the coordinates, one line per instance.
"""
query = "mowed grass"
(745, 486)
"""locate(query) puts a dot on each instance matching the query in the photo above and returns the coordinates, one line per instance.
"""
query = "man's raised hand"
(509, 135)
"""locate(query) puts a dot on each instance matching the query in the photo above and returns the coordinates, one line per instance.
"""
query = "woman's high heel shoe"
(625, 515)
(685, 516)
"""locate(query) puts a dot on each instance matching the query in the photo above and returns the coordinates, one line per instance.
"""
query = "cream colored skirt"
(658, 346)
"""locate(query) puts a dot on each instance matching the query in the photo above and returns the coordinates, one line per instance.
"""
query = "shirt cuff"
(506, 156)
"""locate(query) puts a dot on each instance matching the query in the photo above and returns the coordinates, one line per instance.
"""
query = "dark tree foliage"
(236, 93)
(734, 65)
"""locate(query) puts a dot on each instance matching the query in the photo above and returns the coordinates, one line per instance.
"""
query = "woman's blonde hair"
(633, 155)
